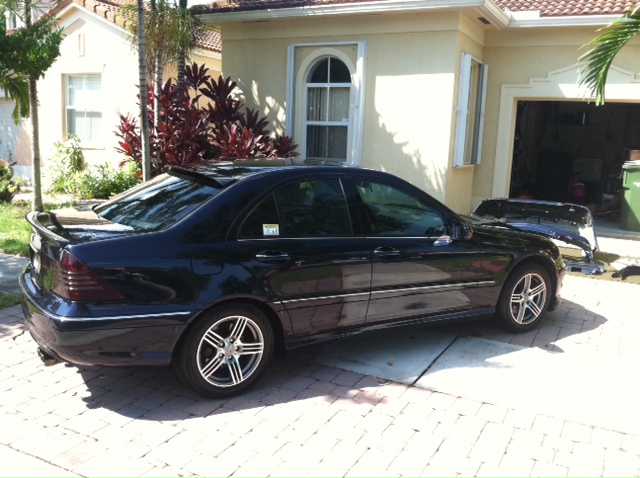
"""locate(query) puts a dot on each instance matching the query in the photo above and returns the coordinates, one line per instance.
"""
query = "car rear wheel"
(525, 298)
(226, 351)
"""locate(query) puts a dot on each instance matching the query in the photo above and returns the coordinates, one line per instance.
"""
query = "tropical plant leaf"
(604, 48)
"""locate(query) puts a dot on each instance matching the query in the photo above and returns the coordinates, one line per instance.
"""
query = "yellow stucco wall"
(459, 181)
(527, 62)
(211, 60)
(410, 71)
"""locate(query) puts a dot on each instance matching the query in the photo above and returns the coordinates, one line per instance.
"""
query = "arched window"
(328, 108)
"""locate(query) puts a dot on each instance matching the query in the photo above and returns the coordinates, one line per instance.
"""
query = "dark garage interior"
(573, 151)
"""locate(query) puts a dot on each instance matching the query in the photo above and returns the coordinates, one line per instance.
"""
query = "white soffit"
(487, 7)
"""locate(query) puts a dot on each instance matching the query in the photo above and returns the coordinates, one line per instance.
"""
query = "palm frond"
(604, 48)
(17, 88)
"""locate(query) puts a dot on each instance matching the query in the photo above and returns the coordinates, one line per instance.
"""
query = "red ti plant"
(205, 120)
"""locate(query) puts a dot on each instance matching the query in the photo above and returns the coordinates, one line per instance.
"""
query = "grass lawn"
(14, 229)
(9, 300)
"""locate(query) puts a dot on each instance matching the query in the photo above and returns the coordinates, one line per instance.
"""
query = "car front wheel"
(226, 351)
(525, 298)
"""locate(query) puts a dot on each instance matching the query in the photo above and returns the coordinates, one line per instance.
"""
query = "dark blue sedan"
(215, 267)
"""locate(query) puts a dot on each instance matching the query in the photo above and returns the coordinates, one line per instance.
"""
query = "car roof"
(223, 174)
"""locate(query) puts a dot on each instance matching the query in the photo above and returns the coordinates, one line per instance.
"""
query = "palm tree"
(28, 53)
(605, 47)
(168, 33)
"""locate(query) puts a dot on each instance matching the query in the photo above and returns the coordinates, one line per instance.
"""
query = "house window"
(328, 110)
(12, 21)
(470, 114)
(83, 100)
(325, 94)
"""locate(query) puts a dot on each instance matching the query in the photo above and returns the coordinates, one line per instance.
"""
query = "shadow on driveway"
(475, 360)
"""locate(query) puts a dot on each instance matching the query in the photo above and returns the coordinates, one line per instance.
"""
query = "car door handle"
(386, 251)
(272, 256)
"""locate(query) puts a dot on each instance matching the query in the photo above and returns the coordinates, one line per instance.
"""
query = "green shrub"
(9, 184)
(66, 166)
(69, 175)
(104, 180)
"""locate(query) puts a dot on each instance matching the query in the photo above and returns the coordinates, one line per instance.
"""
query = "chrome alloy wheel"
(230, 351)
(528, 298)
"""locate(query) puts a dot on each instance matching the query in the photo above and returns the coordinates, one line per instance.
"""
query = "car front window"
(393, 212)
(158, 203)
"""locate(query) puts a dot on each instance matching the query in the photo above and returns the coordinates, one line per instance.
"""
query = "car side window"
(307, 208)
(393, 212)
(315, 207)
(262, 221)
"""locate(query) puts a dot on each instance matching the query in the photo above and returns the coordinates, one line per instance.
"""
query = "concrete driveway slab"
(10, 268)
(397, 355)
(16, 464)
(573, 386)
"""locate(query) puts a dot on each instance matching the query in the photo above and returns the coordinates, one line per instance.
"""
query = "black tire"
(525, 298)
(225, 351)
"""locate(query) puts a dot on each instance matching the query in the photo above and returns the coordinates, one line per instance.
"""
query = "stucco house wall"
(83, 52)
(9, 131)
(410, 91)
(412, 74)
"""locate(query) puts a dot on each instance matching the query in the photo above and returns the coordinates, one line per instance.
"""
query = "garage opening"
(573, 151)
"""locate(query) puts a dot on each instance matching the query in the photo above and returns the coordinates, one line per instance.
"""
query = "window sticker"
(271, 229)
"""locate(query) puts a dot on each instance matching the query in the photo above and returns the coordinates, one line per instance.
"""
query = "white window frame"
(328, 86)
(97, 140)
(463, 135)
(296, 94)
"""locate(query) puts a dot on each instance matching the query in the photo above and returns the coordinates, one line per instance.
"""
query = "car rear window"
(158, 203)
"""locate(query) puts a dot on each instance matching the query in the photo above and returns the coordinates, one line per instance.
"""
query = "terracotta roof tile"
(210, 40)
(110, 9)
(562, 8)
(547, 8)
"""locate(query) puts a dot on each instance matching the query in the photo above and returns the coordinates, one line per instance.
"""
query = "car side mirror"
(461, 230)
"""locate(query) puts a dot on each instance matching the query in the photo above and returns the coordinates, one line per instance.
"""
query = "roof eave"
(209, 53)
(494, 14)
(566, 21)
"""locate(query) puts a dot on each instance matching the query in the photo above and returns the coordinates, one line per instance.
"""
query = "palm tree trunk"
(37, 204)
(182, 56)
(142, 77)
(157, 106)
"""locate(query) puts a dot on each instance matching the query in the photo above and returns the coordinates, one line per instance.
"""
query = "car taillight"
(73, 280)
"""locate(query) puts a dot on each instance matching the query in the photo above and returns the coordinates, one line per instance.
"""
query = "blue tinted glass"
(157, 204)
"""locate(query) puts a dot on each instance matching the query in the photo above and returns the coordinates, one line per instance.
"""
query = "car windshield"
(158, 203)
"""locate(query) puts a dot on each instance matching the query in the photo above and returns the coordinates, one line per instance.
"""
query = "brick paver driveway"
(311, 420)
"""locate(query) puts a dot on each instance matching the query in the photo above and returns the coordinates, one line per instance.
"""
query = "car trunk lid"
(53, 267)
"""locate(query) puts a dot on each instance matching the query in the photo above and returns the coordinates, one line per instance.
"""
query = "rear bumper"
(83, 336)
